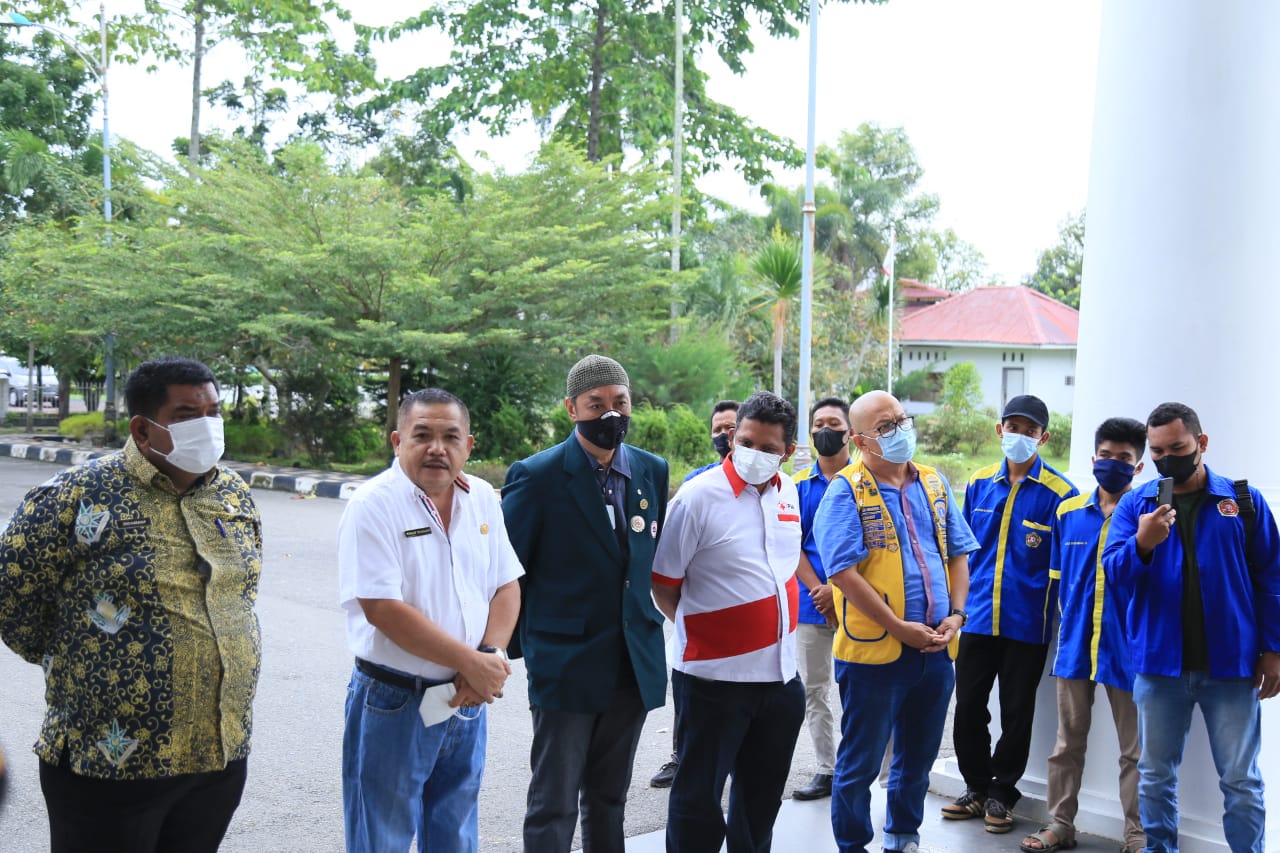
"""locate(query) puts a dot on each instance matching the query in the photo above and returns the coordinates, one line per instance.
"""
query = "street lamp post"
(808, 228)
(100, 71)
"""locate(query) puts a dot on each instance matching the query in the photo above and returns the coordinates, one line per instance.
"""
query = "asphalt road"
(293, 800)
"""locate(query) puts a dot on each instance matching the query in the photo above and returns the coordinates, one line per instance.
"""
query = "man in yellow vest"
(896, 549)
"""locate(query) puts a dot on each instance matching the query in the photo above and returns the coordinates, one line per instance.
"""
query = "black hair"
(833, 402)
(430, 397)
(725, 406)
(1122, 431)
(147, 388)
(769, 408)
(1167, 413)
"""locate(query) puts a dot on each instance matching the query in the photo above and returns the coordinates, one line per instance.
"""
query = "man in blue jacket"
(1010, 506)
(1191, 570)
(1092, 647)
(584, 518)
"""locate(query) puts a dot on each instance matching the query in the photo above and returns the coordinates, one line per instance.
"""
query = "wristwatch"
(964, 617)
(493, 650)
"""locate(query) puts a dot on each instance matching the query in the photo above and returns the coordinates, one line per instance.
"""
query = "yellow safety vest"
(860, 639)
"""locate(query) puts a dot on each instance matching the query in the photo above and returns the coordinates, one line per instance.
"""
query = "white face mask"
(755, 466)
(197, 444)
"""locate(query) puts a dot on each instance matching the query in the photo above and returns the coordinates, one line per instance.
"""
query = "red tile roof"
(917, 291)
(994, 315)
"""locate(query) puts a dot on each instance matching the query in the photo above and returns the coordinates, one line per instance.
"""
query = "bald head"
(874, 409)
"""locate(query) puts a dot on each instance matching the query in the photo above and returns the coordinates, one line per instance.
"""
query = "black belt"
(395, 679)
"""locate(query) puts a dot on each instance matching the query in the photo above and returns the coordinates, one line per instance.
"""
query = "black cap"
(1029, 407)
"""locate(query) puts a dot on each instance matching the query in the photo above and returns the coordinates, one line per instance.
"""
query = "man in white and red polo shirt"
(724, 573)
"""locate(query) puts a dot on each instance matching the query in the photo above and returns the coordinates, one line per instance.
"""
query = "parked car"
(46, 389)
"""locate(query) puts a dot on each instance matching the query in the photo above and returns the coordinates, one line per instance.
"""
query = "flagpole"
(893, 250)
(803, 440)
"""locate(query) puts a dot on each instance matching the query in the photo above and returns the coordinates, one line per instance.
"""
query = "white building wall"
(1044, 371)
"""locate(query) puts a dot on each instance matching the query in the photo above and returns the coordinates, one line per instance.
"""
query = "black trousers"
(747, 730)
(582, 762)
(177, 814)
(1018, 666)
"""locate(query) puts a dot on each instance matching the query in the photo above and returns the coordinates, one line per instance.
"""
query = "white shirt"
(391, 545)
(733, 550)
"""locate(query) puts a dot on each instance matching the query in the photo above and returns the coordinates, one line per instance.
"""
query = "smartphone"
(1164, 492)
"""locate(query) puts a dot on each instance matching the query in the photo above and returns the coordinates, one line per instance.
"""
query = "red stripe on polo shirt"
(663, 580)
(788, 517)
(793, 601)
(733, 631)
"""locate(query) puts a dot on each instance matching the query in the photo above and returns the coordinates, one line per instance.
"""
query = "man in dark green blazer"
(584, 518)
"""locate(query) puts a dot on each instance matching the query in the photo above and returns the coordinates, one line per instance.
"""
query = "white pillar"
(1178, 303)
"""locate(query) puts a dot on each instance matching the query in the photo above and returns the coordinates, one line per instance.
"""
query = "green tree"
(595, 73)
(1059, 270)
(777, 266)
(960, 266)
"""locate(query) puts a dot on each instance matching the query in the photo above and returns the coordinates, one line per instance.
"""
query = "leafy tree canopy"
(1058, 273)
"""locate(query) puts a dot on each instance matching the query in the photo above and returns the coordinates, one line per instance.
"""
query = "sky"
(995, 95)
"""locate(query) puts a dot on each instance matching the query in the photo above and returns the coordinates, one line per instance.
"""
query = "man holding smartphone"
(1210, 559)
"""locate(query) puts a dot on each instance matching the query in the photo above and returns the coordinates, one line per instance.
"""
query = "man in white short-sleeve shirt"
(725, 574)
(428, 580)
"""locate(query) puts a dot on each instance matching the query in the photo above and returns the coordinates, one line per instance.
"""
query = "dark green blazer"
(584, 607)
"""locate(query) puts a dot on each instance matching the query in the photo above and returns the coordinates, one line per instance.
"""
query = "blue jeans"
(907, 698)
(744, 729)
(400, 777)
(1233, 721)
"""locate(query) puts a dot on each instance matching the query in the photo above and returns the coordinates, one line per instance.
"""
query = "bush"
(948, 429)
(650, 429)
(81, 427)
(962, 386)
(252, 438)
(505, 434)
(561, 425)
(1059, 443)
(689, 442)
(358, 443)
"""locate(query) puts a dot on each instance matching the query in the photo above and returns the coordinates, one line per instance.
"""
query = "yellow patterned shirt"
(139, 604)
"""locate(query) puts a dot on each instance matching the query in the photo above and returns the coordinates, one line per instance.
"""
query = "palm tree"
(777, 264)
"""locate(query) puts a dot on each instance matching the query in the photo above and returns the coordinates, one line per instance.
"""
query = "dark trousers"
(182, 814)
(1018, 666)
(587, 759)
(748, 730)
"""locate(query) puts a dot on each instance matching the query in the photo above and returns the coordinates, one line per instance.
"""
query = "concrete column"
(1179, 303)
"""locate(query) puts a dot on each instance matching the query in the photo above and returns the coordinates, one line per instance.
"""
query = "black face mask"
(606, 431)
(721, 443)
(828, 441)
(1180, 468)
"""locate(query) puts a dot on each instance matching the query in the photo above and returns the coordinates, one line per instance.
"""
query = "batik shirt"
(139, 604)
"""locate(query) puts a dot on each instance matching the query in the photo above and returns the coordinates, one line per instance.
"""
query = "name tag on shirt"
(420, 531)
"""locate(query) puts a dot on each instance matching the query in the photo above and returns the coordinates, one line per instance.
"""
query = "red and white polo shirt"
(733, 550)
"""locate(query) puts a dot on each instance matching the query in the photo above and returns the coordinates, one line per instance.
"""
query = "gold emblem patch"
(1033, 540)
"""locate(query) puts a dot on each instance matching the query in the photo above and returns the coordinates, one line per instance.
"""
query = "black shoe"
(665, 776)
(819, 787)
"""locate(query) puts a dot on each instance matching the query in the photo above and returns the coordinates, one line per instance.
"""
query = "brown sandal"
(1061, 842)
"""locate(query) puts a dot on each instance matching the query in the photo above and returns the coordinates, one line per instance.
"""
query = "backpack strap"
(1249, 515)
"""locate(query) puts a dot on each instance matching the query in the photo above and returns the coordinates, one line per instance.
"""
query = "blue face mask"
(1113, 475)
(898, 447)
(1018, 448)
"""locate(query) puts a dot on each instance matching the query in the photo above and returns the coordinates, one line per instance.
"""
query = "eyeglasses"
(885, 430)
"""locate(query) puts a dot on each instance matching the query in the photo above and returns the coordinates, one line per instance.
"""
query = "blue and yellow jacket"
(1242, 613)
(1091, 628)
(1009, 586)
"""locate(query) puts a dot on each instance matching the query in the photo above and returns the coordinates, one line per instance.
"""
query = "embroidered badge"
(637, 523)
(1033, 540)
(106, 615)
(115, 746)
(1228, 508)
(90, 523)
(653, 529)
